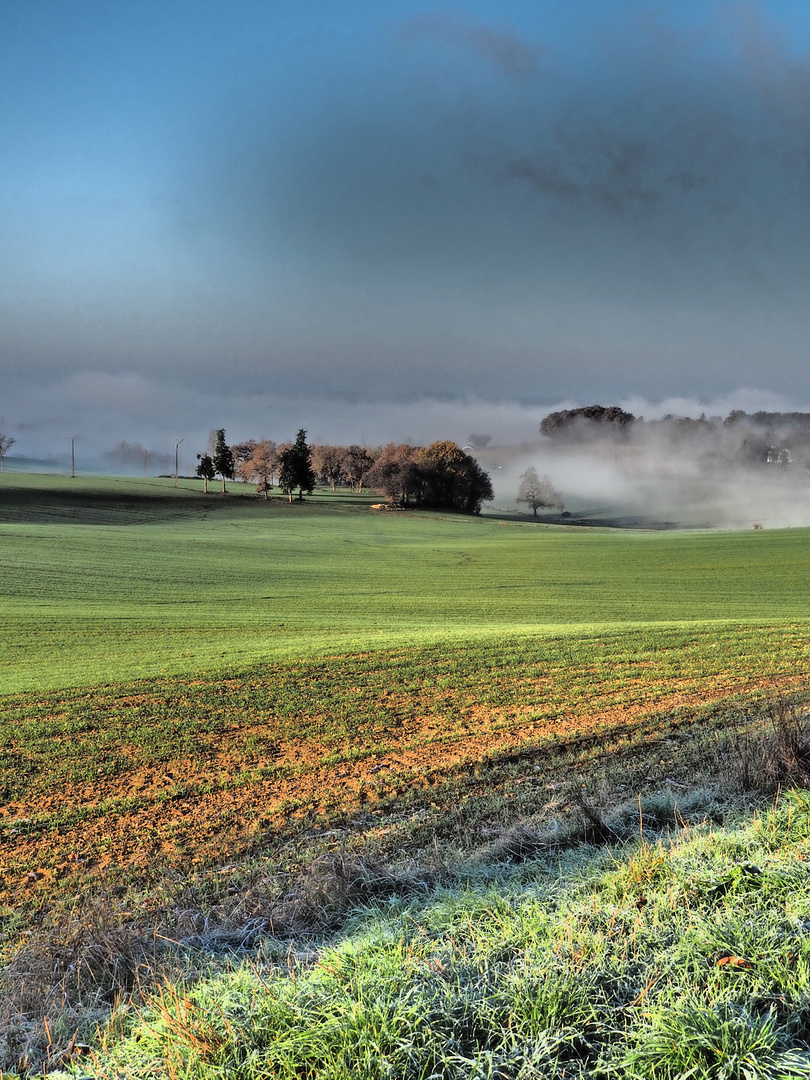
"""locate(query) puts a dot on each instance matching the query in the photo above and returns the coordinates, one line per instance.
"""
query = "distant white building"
(779, 456)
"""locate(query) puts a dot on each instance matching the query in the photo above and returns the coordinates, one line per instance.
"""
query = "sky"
(400, 221)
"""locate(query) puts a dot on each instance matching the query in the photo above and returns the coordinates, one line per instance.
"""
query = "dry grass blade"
(596, 829)
(69, 971)
(777, 752)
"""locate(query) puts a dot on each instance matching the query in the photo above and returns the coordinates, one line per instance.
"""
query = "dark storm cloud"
(621, 185)
(461, 208)
(704, 143)
(508, 52)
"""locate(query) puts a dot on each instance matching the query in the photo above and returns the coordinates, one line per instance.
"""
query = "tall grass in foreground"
(679, 954)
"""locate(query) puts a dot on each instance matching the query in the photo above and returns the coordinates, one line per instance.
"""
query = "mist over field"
(409, 225)
(740, 471)
(693, 469)
(603, 486)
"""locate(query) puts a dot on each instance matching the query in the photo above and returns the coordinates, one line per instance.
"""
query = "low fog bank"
(604, 488)
(104, 408)
(673, 463)
(738, 471)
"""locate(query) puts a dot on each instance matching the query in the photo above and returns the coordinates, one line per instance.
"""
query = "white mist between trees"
(735, 472)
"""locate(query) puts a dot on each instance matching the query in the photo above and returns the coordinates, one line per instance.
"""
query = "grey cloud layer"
(634, 218)
(705, 138)
(466, 210)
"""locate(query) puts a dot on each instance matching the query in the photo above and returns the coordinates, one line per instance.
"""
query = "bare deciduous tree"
(6, 443)
(538, 491)
(359, 461)
(329, 463)
(242, 452)
(395, 472)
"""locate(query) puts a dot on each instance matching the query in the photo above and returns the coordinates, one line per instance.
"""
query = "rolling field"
(185, 675)
(107, 580)
(201, 691)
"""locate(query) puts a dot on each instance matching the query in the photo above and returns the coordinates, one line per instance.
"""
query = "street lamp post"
(176, 460)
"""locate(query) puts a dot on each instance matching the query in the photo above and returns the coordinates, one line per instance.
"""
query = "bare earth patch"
(199, 811)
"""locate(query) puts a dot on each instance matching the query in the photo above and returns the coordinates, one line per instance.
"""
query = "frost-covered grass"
(681, 954)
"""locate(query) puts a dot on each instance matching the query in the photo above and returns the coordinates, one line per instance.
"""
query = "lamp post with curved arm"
(176, 460)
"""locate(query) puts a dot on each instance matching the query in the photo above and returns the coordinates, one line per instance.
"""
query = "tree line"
(441, 475)
(741, 438)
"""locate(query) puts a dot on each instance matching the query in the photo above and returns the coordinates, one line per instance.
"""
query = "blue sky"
(399, 220)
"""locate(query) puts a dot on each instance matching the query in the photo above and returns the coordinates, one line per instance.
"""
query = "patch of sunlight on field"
(79, 655)
(119, 579)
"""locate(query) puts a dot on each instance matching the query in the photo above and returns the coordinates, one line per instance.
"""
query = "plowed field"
(119, 785)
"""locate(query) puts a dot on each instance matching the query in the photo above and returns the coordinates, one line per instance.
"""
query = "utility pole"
(145, 455)
(73, 455)
(176, 460)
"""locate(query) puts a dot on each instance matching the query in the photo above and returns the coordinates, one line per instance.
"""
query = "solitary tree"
(223, 458)
(6, 443)
(295, 467)
(538, 491)
(478, 442)
(205, 470)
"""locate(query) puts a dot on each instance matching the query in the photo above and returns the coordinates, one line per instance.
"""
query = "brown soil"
(193, 813)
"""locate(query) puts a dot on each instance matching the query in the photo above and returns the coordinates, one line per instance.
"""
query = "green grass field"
(106, 580)
(225, 712)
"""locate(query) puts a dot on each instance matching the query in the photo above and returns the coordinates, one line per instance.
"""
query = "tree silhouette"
(223, 458)
(205, 470)
(6, 443)
(538, 491)
(295, 467)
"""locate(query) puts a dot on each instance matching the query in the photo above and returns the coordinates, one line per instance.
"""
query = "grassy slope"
(665, 959)
(512, 640)
(545, 642)
(121, 785)
(118, 579)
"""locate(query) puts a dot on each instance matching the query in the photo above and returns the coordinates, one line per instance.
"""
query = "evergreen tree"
(205, 470)
(295, 467)
(223, 458)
